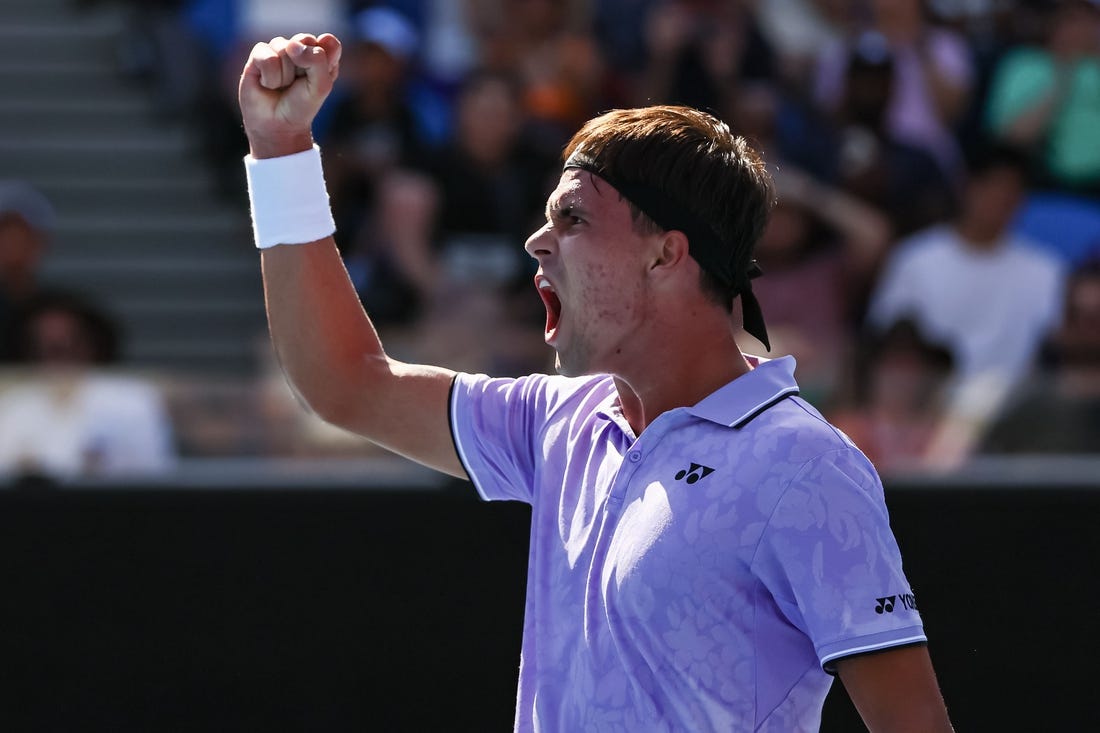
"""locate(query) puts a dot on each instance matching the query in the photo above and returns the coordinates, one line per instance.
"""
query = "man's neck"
(677, 378)
(979, 237)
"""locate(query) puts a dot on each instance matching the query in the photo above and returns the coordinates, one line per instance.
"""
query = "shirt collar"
(739, 401)
(744, 398)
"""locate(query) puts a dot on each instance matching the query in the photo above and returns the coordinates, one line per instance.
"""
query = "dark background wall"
(161, 610)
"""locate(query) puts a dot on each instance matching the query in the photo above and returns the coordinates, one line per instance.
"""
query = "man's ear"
(671, 250)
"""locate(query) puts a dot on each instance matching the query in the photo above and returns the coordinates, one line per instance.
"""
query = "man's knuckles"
(306, 55)
(271, 71)
(281, 61)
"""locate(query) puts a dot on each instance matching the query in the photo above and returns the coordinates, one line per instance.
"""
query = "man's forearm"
(324, 340)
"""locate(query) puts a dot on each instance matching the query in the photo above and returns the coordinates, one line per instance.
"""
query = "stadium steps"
(141, 227)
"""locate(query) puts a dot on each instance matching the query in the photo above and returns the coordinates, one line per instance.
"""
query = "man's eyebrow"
(563, 206)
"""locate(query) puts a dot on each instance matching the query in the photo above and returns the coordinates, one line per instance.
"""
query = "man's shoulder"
(798, 458)
(767, 417)
(796, 434)
(1025, 59)
(546, 393)
(801, 419)
(1029, 255)
(576, 395)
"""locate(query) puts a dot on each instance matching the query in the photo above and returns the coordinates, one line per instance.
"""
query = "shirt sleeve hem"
(452, 413)
(830, 653)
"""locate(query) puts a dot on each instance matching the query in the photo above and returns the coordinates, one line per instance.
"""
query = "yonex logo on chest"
(697, 472)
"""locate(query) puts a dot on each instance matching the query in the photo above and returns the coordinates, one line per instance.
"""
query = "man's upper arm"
(895, 691)
(333, 359)
(830, 560)
(409, 414)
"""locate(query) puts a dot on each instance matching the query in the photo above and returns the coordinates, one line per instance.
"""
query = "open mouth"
(552, 303)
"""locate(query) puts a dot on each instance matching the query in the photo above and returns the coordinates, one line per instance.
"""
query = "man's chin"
(568, 367)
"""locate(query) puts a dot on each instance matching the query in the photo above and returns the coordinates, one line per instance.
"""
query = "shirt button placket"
(632, 462)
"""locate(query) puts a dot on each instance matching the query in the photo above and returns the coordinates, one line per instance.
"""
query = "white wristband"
(288, 198)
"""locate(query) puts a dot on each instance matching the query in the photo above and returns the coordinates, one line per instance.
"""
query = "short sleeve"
(951, 55)
(1019, 81)
(494, 423)
(831, 563)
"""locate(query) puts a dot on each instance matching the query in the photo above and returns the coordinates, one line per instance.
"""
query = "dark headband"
(704, 244)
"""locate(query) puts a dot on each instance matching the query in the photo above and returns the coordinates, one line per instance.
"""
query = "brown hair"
(696, 162)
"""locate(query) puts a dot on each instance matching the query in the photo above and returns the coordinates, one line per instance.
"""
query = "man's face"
(488, 121)
(20, 246)
(592, 276)
(993, 197)
(57, 338)
(372, 67)
(1074, 29)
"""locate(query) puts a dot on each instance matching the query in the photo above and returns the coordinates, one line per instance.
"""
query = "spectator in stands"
(548, 45)
(801, 30)
(899, 394)
(452, 41)
(67, 418)
(373, 137)
(818, 251)
(869, 159)
(932, 78)
(221, 33)
(1048, 98)
(491, 181)
(158, 47)
(372, 128)
(486, 191)
(1060, 413)
(619, 27)
(26, 221)
(991, 28)
(974, 286)
(699, 51)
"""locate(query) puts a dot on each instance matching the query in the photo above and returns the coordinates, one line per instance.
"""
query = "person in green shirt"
(1047, 99)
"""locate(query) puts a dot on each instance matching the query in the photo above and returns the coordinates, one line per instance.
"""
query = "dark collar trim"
(754, 412)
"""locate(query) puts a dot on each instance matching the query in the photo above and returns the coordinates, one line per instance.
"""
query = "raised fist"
(282, 87)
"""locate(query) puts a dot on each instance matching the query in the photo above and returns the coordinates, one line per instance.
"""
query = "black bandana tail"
(751, 315)
(754, 318)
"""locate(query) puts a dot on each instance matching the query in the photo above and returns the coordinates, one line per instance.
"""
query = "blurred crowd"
(933, 261)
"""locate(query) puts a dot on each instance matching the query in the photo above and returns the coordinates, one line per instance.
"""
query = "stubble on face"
(600, 273)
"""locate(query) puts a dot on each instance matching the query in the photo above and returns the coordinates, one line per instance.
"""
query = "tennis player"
(706, 551)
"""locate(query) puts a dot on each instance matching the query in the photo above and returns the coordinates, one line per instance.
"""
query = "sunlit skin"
(631, 304)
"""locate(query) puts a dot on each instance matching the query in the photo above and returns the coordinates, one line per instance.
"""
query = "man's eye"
(563, 217)
(570, 217)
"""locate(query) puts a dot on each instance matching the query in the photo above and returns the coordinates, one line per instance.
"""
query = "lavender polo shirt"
(699, 577)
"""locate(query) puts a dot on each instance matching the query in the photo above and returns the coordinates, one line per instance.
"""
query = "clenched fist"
(282, 87)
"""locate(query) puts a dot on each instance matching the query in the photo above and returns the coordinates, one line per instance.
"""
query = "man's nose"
(541, 242)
